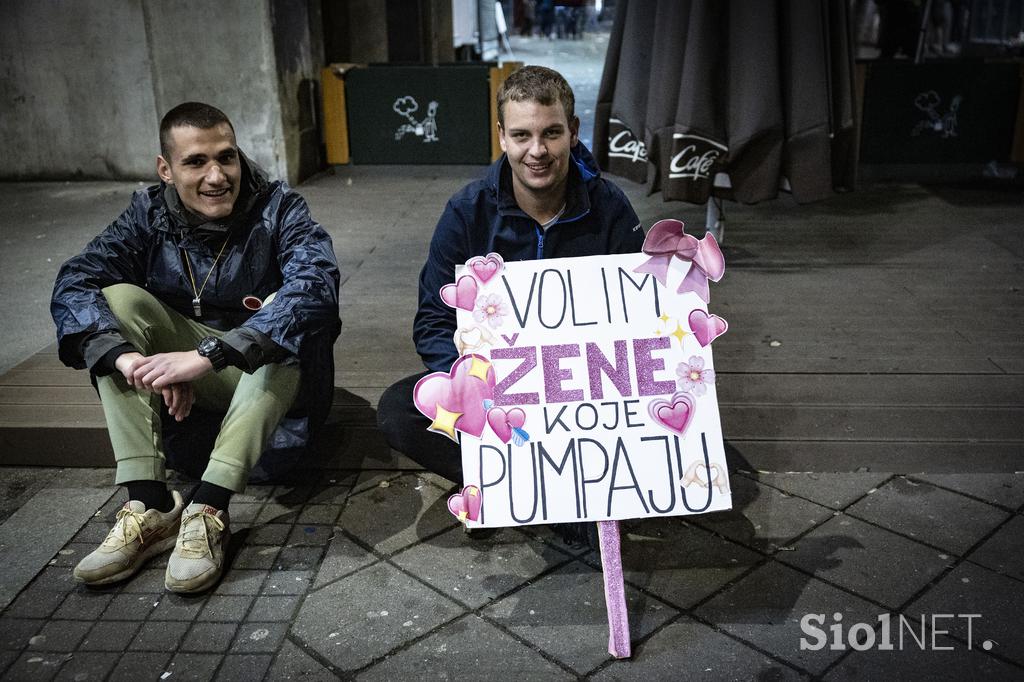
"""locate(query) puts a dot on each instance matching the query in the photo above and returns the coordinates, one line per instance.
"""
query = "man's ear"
(574, 128)
(501, 137)
(163, 169)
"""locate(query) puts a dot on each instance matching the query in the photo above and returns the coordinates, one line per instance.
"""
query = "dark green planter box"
(389, 118)
(956, 112)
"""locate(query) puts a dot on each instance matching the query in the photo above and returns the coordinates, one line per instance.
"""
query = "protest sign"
(585, 387)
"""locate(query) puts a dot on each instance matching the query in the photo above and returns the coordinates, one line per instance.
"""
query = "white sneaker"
(198, 557)
(138, 535)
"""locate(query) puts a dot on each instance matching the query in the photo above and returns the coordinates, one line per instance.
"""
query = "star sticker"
(479, 369)
(664, 318)
(444, 422)
(679, 333)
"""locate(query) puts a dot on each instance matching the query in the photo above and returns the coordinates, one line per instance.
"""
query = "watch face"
(208, 345)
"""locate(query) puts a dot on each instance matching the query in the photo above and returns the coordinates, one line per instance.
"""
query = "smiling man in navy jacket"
(544, 198)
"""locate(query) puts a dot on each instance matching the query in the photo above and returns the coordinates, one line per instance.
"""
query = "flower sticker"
(693, 377)
(491, 308)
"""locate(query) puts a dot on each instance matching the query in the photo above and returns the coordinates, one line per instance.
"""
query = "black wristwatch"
(212, 349)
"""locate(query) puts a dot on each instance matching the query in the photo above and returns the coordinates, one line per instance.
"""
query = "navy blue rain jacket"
(483, 217)
(276, 246)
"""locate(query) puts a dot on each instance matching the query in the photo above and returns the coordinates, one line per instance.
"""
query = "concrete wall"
(83, 84)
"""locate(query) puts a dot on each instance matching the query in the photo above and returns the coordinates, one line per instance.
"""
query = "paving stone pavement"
(362, 576)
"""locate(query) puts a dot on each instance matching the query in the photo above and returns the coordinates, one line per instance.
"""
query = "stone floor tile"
(36, 665)
(268, 534)
(867, 560)
(469, 645)
(256, 637)
(391, 518)
(253, 494)
(131, 606)
(831, 489)
(59, 635)
(242, 512)
(372, 479)
(110, 636)
(240, 582)
(298, 558)
(318, 514)
(291, 663)
(564, 614)
(160, 636)
(1004, 489)
(929, 514)
(928, 664)
(7, 658)
(226, 608)
(353, 621)
(85, 666)
(765, 609)
(255, 556)
(84, 605)
(71, 554)
(274, 608)
(15, 632)
(193, 667)
(209, 637)
(288, 582)
(762, 517)
(679, 562)
(93, 533)
(1004, 550)
(243, 668)
(687, 649)
(474, 572)
(970, 589)
(55, 579)
(149, 580)
(178, 607)
(140, 666)
(310, 535)
(343, 556)
(274, 513)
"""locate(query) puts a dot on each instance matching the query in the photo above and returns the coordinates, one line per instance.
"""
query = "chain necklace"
(197, 303)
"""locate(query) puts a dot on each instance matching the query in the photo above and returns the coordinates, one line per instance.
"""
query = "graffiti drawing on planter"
(941, 123)
(426, 129)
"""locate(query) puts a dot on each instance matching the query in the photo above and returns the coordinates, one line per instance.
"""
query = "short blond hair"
(536, 84)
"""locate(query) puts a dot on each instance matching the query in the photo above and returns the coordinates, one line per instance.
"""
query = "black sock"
(153, 494)
(212, 495)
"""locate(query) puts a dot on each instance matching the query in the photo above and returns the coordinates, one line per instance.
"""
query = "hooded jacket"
(273, 245)
(483, 217)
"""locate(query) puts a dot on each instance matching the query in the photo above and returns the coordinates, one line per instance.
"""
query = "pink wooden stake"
(614, 590)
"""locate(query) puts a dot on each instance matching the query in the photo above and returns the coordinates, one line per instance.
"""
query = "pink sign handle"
(614, 589)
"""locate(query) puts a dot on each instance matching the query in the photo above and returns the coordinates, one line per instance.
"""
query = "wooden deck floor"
(882, 329)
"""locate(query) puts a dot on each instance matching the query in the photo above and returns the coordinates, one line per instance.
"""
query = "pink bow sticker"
(462, 294)
(466, 504)
(706, 328)
(675, 414)
(502, 422)
(484, 268)
(455, 401)
(667, 240)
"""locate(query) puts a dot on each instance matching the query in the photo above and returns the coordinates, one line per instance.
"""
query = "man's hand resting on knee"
(169, 374)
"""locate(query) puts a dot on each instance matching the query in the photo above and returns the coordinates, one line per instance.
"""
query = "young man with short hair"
(214, 288)
(544, 198)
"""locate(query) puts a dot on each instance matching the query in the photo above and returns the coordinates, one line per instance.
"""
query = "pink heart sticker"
(484, 268)
(461, 391)
(466, 504)
(502, 422)
(706, 328)
(675, 414)
(462, 294)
